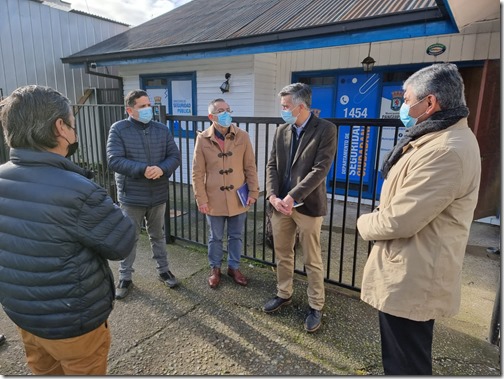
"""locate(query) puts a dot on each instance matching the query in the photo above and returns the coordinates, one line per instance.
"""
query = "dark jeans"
(235, 225)
(406, 345)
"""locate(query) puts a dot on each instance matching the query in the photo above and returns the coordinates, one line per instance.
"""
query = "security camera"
(92, 65)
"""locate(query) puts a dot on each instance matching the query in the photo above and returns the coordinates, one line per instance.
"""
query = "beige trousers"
(284, 239)
(83, 355)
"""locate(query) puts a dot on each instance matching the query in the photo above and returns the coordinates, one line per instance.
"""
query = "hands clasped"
(153, 172)
(283, 206)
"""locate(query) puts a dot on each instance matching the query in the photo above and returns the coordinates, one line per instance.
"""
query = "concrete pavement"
(195, 330)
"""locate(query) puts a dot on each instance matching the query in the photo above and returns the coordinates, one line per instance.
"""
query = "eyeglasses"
(219, 111)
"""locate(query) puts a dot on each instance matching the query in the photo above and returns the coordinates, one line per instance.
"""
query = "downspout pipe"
(118, 78)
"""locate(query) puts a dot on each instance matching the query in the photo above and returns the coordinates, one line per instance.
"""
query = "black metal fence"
(344, 252)
(352, 186)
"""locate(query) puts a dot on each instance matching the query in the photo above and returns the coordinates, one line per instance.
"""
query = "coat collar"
(210, 132)
(462, 123)
(36, 158)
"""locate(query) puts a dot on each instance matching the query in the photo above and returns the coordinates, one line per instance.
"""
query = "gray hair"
(442, 80)
(212, 106)
(28, 116)
(301, 93)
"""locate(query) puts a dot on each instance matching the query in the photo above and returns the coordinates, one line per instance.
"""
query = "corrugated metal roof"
(210, 21)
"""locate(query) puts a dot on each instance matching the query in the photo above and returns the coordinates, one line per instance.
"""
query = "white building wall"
(34, 38)
(257, 79)
(265, 100)
(265, 69)
(210, 73)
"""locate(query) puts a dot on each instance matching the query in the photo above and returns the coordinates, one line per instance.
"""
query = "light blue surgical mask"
(224, 119)
(288, 117)
(145, 115)
(405, 117)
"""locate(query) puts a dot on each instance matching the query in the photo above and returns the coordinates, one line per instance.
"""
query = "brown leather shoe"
(237, 276)
(214, 279)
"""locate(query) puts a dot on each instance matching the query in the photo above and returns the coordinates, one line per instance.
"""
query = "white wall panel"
(494, 50)
(325, 58)
(335, 58)
(406, 56)
(313, 59)
(317, 59)
(468, 46)
(418, 50)
(454, 48)
(343, 57)
(383, 56)
(265, 89)
(283, 76)
(395, 52)
(482, 46)
(266, 104)
(354, 57)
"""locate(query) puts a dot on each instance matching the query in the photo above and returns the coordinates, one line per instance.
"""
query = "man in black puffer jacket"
(57, 231)
(143, 154)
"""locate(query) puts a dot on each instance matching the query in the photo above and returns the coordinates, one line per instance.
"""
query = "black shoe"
(122, 289)
(275, 304)
(169, 279)
(2, 339)
(313, 320)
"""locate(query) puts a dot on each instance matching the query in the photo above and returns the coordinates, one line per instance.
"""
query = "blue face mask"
(224, 119)
(145, 115)
(405, 117)
(288, 117)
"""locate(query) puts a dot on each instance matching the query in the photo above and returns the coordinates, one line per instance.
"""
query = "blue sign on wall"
(323, 100)
(356, 97)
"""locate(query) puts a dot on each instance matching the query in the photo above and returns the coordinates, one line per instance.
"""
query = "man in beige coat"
(421, 227)
(224, 161)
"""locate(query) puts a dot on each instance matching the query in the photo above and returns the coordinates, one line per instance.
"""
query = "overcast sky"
(132, 12)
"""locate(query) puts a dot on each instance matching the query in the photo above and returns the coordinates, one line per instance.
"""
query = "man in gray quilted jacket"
(143, 154)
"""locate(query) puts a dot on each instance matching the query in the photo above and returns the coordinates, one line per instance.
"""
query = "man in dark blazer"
(302, 153)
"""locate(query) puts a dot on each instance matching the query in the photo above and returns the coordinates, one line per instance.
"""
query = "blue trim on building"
(377, 35)
(450, 14)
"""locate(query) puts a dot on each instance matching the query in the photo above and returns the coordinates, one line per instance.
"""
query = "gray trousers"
(154, 222)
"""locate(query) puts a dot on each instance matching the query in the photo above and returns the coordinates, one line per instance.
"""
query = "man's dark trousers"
(406, 345)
